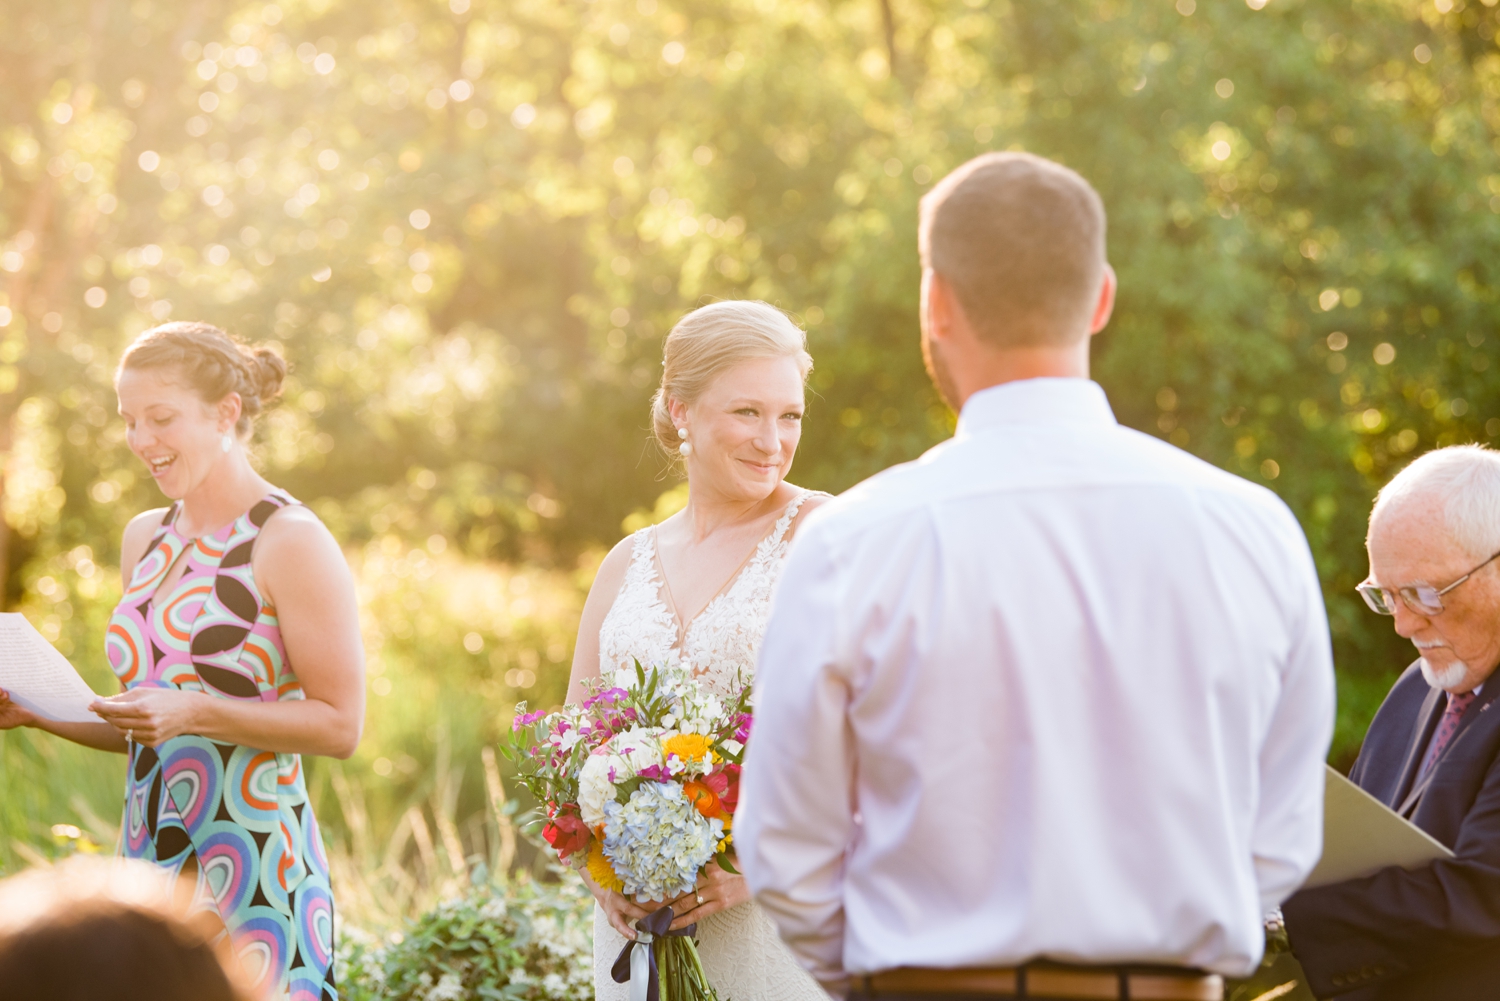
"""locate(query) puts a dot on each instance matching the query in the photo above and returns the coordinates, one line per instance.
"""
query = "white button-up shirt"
(1054, 689)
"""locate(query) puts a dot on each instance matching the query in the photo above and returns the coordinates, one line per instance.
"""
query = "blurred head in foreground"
(90, 929)
(1013, 265)
(1433, 542)
(189, 394)
(731, 398)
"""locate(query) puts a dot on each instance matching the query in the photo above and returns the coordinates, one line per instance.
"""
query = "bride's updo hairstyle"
(213, 364)
(712, 339)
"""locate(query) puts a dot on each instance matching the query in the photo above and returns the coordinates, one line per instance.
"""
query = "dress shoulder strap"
(643, 551)
(269, 505)
(784, 523)
(164, 526)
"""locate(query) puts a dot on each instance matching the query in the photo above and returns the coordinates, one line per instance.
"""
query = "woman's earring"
(226, 442)
(685, 449)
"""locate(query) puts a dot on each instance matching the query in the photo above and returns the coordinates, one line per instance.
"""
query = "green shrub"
(516, 939)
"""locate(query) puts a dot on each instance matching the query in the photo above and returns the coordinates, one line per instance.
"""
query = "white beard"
(1446, 679)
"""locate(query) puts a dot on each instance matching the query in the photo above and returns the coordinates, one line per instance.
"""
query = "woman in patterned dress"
(237, 645)
(696, 591)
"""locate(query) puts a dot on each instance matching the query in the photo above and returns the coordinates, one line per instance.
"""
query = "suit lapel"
(1426, 721)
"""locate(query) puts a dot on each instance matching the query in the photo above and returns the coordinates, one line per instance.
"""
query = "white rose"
(595, 788)
(640, 748)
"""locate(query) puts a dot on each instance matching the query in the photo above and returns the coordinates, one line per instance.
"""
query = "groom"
(1044, 712)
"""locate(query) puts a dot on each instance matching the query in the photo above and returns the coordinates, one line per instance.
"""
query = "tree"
(469, 226)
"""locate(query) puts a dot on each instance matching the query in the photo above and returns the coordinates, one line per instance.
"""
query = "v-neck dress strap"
(242, 814)
(638, 626)
(722, 642)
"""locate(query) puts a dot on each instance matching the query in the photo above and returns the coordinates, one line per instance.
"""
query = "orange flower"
(704, 798)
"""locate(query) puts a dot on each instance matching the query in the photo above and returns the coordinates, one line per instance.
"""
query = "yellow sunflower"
(688, 747)
(600, 869)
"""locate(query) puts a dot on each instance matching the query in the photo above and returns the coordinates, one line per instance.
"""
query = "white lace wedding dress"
(742, 954)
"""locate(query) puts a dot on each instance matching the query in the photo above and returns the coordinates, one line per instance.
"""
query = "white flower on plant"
(449, 988)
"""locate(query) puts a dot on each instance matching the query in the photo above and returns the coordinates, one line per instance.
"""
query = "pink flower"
(608, 695)
(526, 719)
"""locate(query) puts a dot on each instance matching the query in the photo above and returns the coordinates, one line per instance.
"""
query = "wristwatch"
(1277, 940)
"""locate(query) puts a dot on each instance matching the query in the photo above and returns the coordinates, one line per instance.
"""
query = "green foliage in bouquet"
(517, 940)
(682, 976)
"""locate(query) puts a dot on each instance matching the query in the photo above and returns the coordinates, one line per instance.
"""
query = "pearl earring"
(226, 442)
(685, 449)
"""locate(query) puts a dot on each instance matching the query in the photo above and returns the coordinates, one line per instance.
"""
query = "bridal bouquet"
(639, 783)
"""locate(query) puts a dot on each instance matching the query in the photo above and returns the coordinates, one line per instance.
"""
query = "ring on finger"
(129, 736)
(699, 896)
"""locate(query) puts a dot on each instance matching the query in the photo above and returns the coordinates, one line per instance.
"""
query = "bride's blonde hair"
(713, 338)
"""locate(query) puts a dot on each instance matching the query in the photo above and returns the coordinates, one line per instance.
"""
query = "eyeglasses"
(1424, 599)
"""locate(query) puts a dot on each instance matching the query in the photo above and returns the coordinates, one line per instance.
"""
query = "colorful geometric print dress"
(235, 816)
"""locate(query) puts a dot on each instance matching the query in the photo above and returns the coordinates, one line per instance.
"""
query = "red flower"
(565, 831)
(726, 785)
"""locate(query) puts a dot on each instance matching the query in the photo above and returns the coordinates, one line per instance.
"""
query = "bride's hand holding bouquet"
(718, 890)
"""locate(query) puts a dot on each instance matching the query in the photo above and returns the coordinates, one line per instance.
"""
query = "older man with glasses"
(1432, 753)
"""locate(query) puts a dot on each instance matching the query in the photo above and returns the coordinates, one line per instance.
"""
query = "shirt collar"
(1035, 401)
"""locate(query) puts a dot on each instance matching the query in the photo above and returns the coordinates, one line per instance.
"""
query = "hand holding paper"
(38, 678)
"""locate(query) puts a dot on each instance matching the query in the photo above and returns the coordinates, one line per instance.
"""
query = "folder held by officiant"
(1361, 836)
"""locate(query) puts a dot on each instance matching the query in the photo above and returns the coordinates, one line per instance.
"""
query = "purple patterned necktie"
(1445, 731)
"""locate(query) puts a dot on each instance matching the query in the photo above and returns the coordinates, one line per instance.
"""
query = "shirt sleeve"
(1288, 834)
(796, 812)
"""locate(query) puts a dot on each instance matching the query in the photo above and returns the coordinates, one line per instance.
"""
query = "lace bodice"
(722, 641)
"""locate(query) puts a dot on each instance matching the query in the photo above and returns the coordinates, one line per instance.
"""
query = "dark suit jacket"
(1433, 933)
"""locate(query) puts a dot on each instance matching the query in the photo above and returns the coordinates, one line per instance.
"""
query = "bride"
(696, 590)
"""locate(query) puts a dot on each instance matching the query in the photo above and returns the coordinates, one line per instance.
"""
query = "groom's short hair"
(1020, 240)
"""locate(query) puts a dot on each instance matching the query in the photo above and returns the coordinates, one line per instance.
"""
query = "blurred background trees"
(469, 223)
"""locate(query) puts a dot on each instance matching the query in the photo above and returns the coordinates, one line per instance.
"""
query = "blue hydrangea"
(657, 841)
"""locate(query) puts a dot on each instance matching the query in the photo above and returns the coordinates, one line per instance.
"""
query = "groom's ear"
(1106, 304)
(937, 306)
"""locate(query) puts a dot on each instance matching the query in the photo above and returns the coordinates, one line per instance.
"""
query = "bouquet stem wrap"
(659, 954)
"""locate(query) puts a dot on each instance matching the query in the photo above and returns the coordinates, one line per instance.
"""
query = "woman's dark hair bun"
(270, 371)
(213, 363)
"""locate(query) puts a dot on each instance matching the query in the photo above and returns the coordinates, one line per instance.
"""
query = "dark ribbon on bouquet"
(637, 961)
